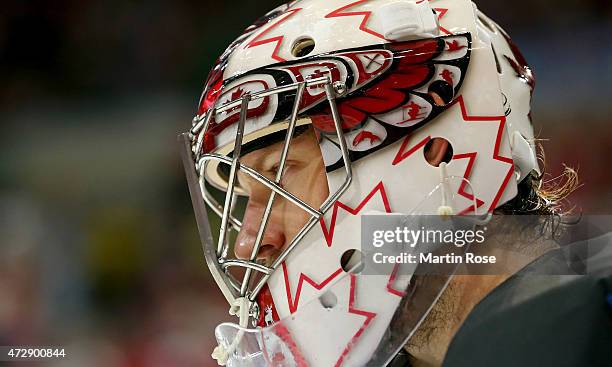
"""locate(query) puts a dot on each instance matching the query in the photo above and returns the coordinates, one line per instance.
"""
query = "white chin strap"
(240, 308)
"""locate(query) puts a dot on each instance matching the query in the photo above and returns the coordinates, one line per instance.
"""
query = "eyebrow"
(262, 143)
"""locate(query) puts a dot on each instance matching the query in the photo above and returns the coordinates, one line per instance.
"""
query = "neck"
(429, 344)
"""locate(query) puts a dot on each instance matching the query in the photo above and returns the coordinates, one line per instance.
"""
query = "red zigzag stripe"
(402, 154)
(293, 304)
(366, 15)
(466, 175)
(257, 41)
(391, 281)
(329, 234)
(368, 315)
(441, 13)
(498, 140)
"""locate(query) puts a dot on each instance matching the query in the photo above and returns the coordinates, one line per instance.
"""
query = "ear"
(436, 150)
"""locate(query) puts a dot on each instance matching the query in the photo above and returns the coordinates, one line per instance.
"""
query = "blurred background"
(99, 251)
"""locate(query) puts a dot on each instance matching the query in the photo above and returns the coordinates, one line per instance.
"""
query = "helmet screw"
(340, 88)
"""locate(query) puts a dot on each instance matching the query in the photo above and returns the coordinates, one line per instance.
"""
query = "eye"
(273, 171)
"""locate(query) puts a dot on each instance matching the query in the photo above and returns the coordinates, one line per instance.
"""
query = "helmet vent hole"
(302, 47)
(351, 261)
(441, 92)
(438, 150)
(328, 300)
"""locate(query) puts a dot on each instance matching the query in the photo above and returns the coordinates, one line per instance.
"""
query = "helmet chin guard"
(374, 90)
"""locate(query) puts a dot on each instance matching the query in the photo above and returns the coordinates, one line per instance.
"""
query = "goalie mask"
(323, 111)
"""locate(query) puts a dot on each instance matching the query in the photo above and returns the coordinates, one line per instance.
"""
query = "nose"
(273, 240)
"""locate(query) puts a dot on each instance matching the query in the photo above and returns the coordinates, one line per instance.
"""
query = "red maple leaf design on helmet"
(237, 94)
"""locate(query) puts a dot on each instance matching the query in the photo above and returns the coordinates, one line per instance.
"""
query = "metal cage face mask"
(234, 198)
(356, 101)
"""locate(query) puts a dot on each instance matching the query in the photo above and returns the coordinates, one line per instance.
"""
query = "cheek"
(321, 188)
(294, 220)
(310, 185)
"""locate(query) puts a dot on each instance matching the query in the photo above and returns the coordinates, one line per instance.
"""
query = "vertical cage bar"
(329, 91)
(233, 174)
(279, 174)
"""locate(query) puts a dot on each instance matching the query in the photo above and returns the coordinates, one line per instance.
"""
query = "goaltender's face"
(304, 177)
